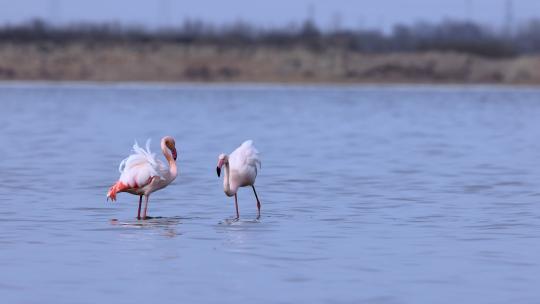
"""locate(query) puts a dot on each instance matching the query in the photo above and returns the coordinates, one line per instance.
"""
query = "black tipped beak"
(218, 170)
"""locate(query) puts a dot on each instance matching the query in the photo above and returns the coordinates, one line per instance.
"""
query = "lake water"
(373, 194)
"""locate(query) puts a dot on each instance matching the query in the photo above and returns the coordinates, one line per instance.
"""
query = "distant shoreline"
(256, 85)
(176, 63)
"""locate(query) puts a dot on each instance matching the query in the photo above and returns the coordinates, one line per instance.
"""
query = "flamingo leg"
(258, 202)
(236, 204)
(145, 207)
(139, 211)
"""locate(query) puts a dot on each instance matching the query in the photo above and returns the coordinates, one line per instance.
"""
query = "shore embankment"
(198, 63)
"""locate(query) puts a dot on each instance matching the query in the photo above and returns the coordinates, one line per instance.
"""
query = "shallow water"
(369, 194)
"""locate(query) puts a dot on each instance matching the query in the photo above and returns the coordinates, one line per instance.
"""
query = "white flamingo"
(142, 173)
(240, 171)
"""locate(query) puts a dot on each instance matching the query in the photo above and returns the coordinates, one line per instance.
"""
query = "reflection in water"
(237, 221)
(236, 232)
(167, 225)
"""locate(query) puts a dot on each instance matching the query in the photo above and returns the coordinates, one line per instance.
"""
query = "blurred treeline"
(457, 36)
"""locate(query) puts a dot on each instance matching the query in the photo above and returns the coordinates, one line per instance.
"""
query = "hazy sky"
(346, 13)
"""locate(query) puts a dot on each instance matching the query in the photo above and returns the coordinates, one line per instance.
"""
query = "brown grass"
(172, 62)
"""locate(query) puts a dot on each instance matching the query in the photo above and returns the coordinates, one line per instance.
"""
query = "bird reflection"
(167, 225)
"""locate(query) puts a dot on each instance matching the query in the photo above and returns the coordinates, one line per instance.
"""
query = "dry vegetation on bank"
(198, 53)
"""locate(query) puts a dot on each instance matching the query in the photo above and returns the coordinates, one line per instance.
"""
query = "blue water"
(374, 194)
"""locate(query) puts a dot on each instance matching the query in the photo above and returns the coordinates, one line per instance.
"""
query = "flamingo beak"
(219, 165)
(174, 155)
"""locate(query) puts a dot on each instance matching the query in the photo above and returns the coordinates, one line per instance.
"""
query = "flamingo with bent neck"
(142, 173)
(240, 171)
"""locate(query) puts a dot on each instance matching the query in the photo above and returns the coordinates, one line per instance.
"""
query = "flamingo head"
(222, 159)
(171, 145)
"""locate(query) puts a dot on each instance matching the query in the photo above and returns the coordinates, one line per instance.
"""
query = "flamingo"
(240, 171)
(142, 173)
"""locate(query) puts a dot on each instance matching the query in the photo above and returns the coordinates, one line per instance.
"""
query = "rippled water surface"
(369, 194)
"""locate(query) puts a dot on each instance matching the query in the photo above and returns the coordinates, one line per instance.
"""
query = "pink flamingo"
(240, 171)
(142, 173)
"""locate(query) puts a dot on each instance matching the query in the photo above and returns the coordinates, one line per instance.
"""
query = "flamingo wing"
(245, 157)
(138, 169)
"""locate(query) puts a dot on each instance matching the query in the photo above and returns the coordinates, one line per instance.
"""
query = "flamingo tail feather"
(117, 187)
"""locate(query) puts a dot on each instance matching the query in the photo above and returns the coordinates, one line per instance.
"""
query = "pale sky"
(346, 13)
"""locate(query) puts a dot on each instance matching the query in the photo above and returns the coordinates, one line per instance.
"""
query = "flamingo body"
(240, 170)
(142, 173)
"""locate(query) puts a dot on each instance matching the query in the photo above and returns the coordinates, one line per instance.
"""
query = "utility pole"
(311, 13)
(469, 10)
(54, 11)
(336, 22)
(164, 12)
(509, 17)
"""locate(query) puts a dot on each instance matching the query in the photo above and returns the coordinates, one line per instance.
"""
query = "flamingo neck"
(226, 179)
(173, 170)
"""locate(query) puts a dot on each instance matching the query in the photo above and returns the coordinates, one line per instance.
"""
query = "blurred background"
(412, 192)
(446, 41)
